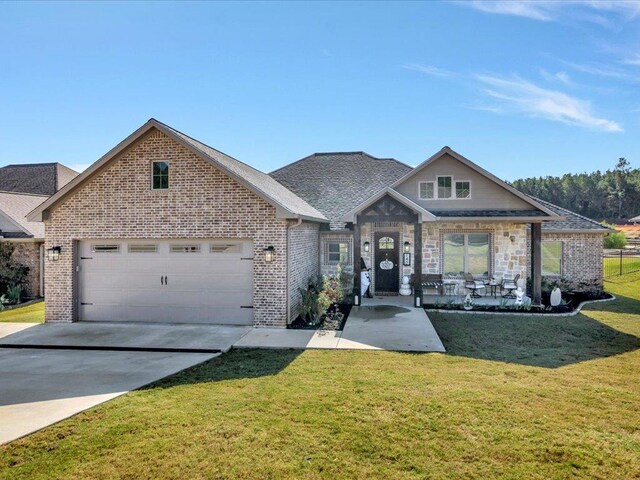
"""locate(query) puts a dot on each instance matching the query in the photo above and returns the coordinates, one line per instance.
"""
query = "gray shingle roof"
(337, 182)
(572, 220)
(16, 206)
(489, 213)
(35, 178)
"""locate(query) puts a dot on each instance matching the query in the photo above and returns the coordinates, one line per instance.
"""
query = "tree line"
(613, 195)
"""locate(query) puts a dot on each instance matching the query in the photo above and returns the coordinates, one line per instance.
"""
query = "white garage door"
(172, 281)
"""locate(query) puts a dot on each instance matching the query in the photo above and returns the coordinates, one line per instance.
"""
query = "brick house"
(164, 228)
(22, 188)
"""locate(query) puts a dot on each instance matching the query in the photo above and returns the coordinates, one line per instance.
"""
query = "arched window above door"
(385, 243)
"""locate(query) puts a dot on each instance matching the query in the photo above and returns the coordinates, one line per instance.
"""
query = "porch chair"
(510, 286)
(473, 285)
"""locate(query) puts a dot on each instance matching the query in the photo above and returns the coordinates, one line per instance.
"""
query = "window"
(444, 187)
(466, 253)
(185, 248)
(463, 189)
(225, 248)
(115, 248)
(160, 175)
(385, 243)
(338, 252)
(426, 190)
(552, 258)
(150, 248)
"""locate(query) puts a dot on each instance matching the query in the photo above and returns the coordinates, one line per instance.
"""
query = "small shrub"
(12, 273)
(615, 240)
(13, 295)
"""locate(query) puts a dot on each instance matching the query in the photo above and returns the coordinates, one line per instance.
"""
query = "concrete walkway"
(382, 323)
(42, 386)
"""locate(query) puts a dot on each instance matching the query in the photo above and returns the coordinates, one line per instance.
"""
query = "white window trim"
(454, 182)
(168, 175)
(420, 190)
(455, 187)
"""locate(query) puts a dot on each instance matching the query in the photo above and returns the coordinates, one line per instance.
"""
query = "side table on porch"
(449, 287)
(492, 288)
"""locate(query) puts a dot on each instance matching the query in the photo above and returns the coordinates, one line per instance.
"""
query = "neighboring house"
(164, 228)
(23, 188)
(36, 178)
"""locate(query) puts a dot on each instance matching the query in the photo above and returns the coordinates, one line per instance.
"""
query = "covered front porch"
(395, 240)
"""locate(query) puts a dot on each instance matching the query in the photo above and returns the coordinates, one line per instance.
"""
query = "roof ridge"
(30, 164)
(317, 154)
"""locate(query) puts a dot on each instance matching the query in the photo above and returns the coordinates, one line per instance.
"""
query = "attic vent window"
(160, 175)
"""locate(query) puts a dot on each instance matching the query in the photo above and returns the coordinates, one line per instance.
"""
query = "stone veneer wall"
(581, 255)
(28, 253)
(508, 258)
(304, 258)
(202, 202)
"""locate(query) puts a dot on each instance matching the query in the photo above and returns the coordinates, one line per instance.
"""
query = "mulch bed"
(300, 324)
(573, 299)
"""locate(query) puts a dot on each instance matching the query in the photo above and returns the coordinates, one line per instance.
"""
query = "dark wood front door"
(386, 262)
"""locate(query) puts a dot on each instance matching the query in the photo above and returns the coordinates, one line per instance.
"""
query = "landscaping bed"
(329, 322)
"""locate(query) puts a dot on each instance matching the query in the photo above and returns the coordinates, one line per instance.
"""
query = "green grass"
(33, 313)
(515, 397)
(629, 265)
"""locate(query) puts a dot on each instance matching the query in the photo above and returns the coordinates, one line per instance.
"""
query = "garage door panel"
(203, 287)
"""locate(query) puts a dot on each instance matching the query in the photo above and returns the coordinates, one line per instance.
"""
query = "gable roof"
(14, 207)
(465, 161)
(35, 178)
(571, 221)
(288, 205)
(337, 182)
(423, 214)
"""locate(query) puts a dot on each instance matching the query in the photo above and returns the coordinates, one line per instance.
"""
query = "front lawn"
(519, 397)
(33, 313)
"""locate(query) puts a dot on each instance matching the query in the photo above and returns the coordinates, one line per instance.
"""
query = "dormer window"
(463, 189)
(160, 175)
(427, 190)
(444, 187)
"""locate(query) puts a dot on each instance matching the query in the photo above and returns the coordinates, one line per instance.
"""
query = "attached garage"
(168, 281)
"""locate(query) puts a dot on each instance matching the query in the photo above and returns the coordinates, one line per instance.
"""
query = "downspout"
(289, 228)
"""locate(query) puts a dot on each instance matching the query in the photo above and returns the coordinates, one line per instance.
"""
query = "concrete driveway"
(40, 386)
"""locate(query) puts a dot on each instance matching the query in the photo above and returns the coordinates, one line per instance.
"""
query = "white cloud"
(635, 60)
(428, 70)
(554, 10)
(518, 95)
(562, 77)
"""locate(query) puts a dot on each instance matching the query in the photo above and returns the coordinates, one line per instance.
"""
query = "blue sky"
(520, 88)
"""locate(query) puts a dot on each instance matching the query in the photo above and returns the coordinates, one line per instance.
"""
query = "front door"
(387, 279)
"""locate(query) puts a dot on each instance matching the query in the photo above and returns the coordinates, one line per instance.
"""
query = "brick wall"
(28, 253)
(581, 255)
(303, 261)
(202, 202)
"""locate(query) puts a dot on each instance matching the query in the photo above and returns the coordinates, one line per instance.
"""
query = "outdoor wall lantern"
(53, 253)
(407, 246)
(269, 254)
(366, 247)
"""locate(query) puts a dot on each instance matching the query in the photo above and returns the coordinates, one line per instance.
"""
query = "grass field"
(33, 313)
(611, 266)
(514, 397)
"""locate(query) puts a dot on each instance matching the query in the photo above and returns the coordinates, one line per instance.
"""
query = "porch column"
(417, 264)
(536, 263)
(357, 300)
